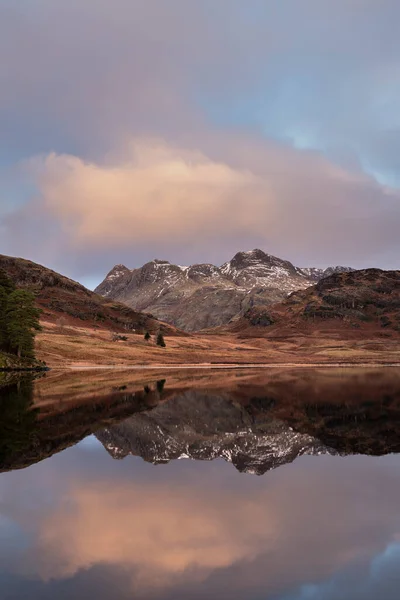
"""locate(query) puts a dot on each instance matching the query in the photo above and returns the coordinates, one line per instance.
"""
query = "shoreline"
(222, 366)
(24, 369)
(202, 366)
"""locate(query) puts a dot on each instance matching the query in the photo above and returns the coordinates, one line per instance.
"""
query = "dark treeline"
(19, 319)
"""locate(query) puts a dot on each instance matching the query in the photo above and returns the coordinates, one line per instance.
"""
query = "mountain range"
(203, 296)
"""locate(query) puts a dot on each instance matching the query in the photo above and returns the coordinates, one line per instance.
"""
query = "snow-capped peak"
(117, 271)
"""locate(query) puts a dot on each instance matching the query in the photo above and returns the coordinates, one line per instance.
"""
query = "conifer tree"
(6, 288)
(147, 336)
(3, 321)
(160, 340)
(6, 282)
(22, 319)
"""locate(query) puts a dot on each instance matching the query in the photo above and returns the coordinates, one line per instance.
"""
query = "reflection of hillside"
(240, 414)
(291, 385)
(33, 434)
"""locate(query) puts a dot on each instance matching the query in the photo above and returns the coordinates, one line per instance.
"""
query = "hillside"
(65, 299)
(366, 301)
(201, 296)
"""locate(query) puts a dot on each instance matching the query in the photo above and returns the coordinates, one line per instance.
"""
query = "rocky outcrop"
(369, 295)
(205, 296)
(367, 298)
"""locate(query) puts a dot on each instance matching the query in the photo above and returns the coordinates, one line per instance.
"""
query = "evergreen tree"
(6, 288)
(160, 340)
(147, 336)
(3, 321)
(6, 282)
(22, 319)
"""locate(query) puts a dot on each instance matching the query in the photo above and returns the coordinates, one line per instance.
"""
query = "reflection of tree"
(160, 385)
(17, 418)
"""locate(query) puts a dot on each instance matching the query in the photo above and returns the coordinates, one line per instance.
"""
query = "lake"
(256, 484)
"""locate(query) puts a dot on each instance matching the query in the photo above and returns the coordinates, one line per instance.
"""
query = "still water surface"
(251, 486)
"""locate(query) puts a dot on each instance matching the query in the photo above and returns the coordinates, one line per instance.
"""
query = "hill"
(63, 299)
(366, 301)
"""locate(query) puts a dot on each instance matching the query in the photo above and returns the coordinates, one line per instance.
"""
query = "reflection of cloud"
(379, 579)
(158, 531)
(219, 530)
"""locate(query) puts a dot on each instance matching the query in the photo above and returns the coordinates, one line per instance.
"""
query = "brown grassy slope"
(75, 346)
(59, 297)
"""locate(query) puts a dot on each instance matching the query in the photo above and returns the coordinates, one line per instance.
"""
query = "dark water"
(241, 485)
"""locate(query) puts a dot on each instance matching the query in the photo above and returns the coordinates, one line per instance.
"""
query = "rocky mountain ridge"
(204, 295)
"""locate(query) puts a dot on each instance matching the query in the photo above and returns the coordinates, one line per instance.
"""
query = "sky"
(188, 130)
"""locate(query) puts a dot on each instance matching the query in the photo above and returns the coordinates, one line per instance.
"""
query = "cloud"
(160, 192)
(235, 190)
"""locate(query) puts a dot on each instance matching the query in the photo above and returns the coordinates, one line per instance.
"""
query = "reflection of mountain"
(256, 418)
(205, 426)
(268, 420)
